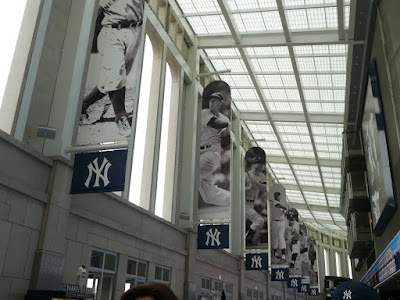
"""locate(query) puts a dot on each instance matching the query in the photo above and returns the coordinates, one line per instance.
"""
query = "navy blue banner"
(213, 237)
(99, 172)
(294, 282)
(280, 274)
(313, 291)
(303, 288)
(256, 261)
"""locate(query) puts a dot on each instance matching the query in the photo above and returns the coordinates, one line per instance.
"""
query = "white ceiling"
(288, 62)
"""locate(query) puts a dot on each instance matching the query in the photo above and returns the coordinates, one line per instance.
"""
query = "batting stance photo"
(214, 186)
(277, 205)
(110, 84)
(256, 199)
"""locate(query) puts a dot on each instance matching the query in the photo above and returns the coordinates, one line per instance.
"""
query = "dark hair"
(156, 290)
(212, 87)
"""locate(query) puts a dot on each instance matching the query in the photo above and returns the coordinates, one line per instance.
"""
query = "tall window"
(103, 267)
(136, 273)
(349, 267)
(162, 163)
(163, 275)
(229, 291)
(141, 124)
(206, 288)
(338, 264)
(326, 260)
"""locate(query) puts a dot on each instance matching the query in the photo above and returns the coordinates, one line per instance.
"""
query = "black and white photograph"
(113, 74)
(292, 238)
(215, 156)
(256, 212)
(278, 208)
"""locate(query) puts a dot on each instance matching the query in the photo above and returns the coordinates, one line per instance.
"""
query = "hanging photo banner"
(256, 261)
(278, 247)
(99, 172)
(213, 237)
(214, 197)
(256, 212)
(313, 260)
(292, 238)
(305, 265)
(112, 81)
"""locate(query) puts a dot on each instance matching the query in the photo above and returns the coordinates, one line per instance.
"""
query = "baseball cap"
(354, 290)
(216, 95)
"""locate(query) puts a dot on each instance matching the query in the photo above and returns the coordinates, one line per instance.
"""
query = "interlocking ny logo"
(294, 283)
(256, 262)
(304, 288)
(279, 275)
(347, 294)
(313, 292)
(213, 236)
(101, 172)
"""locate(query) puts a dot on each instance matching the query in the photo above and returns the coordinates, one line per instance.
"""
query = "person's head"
(255, 158)
(213, 87)
(292, 215)
(354, 290)
(277, 196)
(149, 291)
(215, 102)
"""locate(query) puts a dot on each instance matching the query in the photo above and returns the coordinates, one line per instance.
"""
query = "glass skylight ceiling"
(297, 84)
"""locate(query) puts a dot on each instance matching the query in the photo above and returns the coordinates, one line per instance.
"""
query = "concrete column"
(121, 276)
(188, 176)
(48, 264)
(190, 278)
(237, 205)
(242, 292)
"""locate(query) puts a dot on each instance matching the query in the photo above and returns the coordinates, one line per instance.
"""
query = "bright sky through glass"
(9, 34)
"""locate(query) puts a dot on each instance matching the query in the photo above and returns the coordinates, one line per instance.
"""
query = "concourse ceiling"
(288, 61)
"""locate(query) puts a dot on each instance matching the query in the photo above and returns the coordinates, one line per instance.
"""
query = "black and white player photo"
(277, 206)
(214, 186)
(256, 199)
(292, 237)
(113, 74)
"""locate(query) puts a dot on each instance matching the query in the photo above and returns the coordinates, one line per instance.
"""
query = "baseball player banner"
(99, 172)
(214, 197)
(113, 77)
(256, 213)
(277, 221)
(213, 237)
(313, 260)
(256, 261)
(279, 274)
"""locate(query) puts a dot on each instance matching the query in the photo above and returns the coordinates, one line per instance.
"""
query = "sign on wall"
(113, 78)
(380, 186)
(213, 237)
(99, 172)
(214, 198)
(256, 208)
(256, 261)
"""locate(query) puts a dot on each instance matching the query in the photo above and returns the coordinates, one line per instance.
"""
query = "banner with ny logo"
(256, 261)
(99, 172)
(313, 291)
(213, 237)
(279, 274)
(294, 282)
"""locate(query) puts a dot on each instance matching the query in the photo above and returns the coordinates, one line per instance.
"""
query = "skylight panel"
(312, 18)
(339, 80)
(208, 24)
(322, 64)
(248, 22)
(284, 64)
(333, 200)
(249, 106)
(294, 128)
(273, 152)
(198, 6)
(303, 50)
(289, 80)
(251, 4)
(259, 126)
(314, 107)
(346, 16)
(235, 65)
(320, 215)
(338, 217)
(309, 80)
(316, 18)
(297, 19)
(294, 196)
(278, 94)
(306, 64)
(305, 214)
(237, 80)
(272, 20)
(260, 51)
(324, 80)
(244, 94)
(225, 52)
(338, 63)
